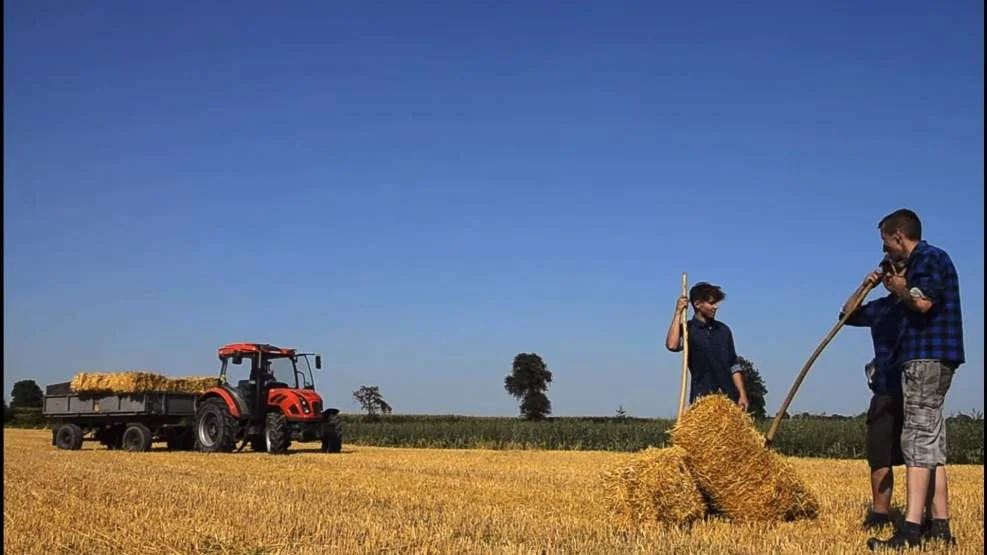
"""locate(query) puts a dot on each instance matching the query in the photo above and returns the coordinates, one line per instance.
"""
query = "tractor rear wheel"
(137, 437)
(215, 427)
(277, 433)
(68, 436)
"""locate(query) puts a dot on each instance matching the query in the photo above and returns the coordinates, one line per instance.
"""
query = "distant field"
(802, 437)
(388, 500)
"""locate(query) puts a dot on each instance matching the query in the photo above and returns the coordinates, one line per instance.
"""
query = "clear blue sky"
(420, 193)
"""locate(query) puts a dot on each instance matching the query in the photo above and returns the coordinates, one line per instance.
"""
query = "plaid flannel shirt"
(938, 333)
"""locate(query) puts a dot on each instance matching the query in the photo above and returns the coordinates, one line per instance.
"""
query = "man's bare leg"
(940, 497)
(882, 485)
(917, 486)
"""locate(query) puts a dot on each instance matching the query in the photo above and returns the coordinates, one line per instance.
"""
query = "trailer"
(275, 405)
(132, 422)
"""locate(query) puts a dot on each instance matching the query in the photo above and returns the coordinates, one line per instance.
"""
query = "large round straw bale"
(727, 456)
(653, 486)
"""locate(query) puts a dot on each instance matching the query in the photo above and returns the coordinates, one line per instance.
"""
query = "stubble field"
(389, 500)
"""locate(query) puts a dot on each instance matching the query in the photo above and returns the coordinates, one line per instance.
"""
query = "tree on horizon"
(528, 381)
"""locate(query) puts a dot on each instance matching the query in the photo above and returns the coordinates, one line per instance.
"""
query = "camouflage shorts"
(923, 437)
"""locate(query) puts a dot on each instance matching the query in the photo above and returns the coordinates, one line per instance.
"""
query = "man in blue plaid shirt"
(928, 353)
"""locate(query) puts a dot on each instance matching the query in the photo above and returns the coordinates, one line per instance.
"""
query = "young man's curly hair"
(703, 291)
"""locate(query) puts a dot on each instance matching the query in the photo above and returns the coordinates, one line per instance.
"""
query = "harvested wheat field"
(377, 500)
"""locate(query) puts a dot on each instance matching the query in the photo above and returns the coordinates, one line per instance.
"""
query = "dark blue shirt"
(884, 317)
(938, 333)
(712, 359)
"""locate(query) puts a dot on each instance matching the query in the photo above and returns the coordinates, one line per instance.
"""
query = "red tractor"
(276, 404)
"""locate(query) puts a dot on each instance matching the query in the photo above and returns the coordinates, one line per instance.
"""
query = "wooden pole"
(854, 304)
(685, 348)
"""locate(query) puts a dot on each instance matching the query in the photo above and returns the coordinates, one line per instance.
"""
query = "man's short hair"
(903, 220)
(703, 291)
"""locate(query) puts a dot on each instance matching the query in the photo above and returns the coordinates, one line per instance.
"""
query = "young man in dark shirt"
(712, 356)
(884, 318)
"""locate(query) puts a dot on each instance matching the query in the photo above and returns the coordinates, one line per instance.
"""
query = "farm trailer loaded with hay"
(275, 405)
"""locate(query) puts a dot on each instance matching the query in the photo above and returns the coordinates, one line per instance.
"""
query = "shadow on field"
(897, 514)
(318, 451)
(246, 449)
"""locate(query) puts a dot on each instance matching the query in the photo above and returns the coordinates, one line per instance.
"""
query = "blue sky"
(420, 193)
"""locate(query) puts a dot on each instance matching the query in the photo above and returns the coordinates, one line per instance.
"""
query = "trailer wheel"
(332, 434)
(215, 427)
(137, 437)
(68, 436)
(277, 434)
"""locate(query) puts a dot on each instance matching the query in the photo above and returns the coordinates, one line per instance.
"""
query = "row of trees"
(25, 394)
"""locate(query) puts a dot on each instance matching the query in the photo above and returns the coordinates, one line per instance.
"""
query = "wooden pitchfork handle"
(685, 349)
(854, 305)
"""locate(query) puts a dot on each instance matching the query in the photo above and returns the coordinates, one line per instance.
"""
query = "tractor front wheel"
(215, 427)
(332, 434)
(277, 433)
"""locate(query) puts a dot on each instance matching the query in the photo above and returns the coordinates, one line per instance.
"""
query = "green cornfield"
(842, 438)
(802, 437)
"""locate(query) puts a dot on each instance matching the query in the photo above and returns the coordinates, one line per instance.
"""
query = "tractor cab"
(270, 366)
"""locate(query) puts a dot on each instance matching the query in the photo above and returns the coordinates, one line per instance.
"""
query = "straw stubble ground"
(376, 500)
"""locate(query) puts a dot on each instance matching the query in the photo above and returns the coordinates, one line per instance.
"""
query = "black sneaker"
(938, 530)
(905, 538)
(876, 521)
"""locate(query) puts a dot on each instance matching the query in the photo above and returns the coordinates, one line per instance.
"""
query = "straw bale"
(193, 384)
(138, 382)
(653, 486)
(729, 460)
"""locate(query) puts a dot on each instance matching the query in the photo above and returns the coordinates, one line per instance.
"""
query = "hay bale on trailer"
(138, 382)
(193, 384)
(652, 486)
(728, 458)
